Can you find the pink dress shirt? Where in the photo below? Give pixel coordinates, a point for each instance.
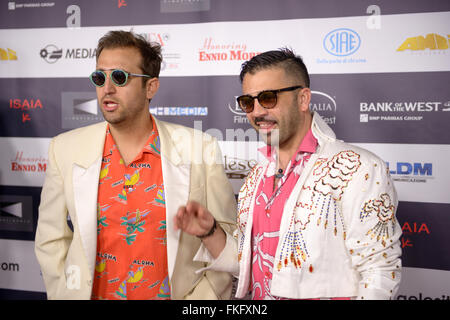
(268, 211)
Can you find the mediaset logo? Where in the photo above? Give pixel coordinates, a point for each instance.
(7, 54)
(431, 41)
(179, 111)
(52, 53)
(216, 51)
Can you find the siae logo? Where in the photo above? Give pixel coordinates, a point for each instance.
(432, 41)
(342, 42)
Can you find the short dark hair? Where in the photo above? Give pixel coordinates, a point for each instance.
(150, 51)
(283, 58)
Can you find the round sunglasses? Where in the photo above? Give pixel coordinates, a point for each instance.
(119, 77)
(267, 99)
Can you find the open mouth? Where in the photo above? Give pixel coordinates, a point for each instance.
(265, 125)
(109, 105)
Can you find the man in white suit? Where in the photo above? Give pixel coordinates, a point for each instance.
(316, 218)
(108, 254)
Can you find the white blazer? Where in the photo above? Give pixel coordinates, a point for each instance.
(192, 170)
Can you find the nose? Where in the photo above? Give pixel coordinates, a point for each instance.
(109, 86)
(258, 110)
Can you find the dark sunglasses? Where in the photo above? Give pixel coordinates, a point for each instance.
(266, 98)
(119, 77)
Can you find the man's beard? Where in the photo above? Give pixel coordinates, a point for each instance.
(272, 138)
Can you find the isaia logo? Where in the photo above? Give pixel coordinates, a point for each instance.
(25, 105)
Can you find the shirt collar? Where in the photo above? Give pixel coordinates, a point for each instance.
(308, 144)
(153, 144)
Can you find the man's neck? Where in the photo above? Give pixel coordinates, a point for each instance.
(131, 139)
(287, 150)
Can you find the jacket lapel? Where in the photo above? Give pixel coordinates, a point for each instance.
(176, 177)
(85, 177)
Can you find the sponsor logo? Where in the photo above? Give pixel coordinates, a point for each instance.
(16, 213)
(25, 163)
(13, 5)
(325, 105)
(171, 59)
(214, 51)
(421, 296)
(25, 105)
(236, 168)
(171, 6)
(52, 53)
(179, 111)
(412, 110)
(413, 228)
(239, 115)
(79, 109)
(410, 172)
(342, 42)
(10, 266)
(431, 41)
(7, 54)
(321, 102)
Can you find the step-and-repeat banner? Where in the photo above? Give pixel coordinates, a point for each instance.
(380, 76)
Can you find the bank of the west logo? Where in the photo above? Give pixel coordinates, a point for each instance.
(342, 42)
(432, 41)
(51, 53)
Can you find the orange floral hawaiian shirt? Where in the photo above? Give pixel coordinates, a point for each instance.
(131, 260)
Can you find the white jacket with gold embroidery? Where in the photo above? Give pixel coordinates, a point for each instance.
(339, 236)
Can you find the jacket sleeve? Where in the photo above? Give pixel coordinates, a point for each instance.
(373, 235)
(221, 202)
(53, 235)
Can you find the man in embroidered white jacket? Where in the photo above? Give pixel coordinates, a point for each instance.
(316, 219)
